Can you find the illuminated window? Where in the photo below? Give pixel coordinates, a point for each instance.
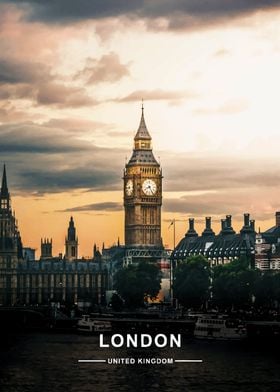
(4, 203)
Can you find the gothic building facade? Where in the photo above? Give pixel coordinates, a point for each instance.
(10, 247)
(50, 279)
(142, 195)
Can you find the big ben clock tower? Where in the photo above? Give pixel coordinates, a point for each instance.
(143, 194)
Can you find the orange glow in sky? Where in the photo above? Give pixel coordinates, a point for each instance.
(71, 85)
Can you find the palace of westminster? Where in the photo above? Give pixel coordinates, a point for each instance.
(24, 280)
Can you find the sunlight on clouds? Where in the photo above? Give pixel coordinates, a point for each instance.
(211, 91)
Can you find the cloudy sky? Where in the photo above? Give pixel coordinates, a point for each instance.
(72, 76)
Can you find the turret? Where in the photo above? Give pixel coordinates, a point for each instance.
(71, 242)
(46, 248)
(4, 193)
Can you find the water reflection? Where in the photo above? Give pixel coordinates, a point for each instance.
(49, 363)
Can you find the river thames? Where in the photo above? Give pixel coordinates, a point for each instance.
(44, 362)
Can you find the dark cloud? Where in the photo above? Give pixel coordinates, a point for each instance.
(20, 79)
(45, 160)
(105, 206)
(106, 69)
(33, 138)
(34, 81)
(14, 72)
(42, 159)
(58, 180)
(178, 14)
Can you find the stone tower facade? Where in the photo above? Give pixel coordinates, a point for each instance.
(71, 242)
(142, 193)
(46, 248)
(10, 247)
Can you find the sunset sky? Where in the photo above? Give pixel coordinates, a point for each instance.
(72, 76)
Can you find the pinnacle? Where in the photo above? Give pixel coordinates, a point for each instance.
(142, 132)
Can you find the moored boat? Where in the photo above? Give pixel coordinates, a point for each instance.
(90, 325)
(220, 328)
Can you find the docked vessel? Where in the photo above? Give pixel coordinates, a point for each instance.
(90, 325)
(220, 328)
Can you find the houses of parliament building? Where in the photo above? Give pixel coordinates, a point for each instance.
(51, 279)
(66, 278)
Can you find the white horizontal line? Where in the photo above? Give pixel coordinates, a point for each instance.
(188, 360)
(92, 360)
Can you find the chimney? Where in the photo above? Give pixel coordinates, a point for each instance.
(246, 219)
(208, 230)
(208, 222)
(228, 221)
(277, 215)
(191, 232)
(252, 224)
(223, 224)
(191, 224)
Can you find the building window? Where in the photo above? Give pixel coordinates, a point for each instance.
(4, 203)
(9, 262)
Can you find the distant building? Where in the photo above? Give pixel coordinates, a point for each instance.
(268, 247)
(28, 254)
(218, 249)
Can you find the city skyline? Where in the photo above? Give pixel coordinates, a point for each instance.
(71, 90)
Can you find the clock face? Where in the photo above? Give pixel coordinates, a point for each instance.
(149, 187)
(129, 188)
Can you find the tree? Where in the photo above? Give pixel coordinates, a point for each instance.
(233, 284)
(267, 289)
(192, 281)
(116, 302)
(138, 282)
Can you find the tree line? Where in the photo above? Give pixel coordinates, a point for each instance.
(232, 286)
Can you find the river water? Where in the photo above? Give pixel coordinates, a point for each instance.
(42, 362)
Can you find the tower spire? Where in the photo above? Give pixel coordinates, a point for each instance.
(142, 133)
(4, 187)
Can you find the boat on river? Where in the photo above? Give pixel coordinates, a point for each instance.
(90, 325)
(219, 327)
